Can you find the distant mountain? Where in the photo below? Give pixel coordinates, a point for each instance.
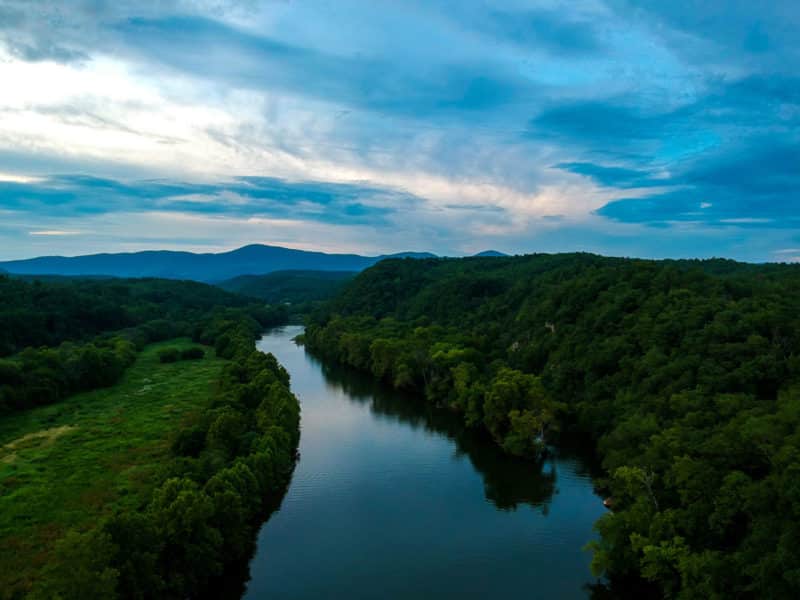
(490, 253)
(255, 259)
(289, 286)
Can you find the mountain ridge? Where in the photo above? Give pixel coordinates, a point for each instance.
(253, 259)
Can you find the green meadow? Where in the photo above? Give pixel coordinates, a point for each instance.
(65, 465)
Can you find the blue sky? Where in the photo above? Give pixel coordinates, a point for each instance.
(638, 128)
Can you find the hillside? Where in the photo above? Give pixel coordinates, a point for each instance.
(46, 313)
(249, 260)
(289, 286)
(686, 374)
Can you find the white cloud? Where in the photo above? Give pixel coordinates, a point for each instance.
(113, 104)
(16, 178)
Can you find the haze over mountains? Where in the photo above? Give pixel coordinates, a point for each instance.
(255, 259)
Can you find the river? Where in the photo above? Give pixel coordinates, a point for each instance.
(394, 499)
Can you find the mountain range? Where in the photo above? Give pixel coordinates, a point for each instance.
(256, 259)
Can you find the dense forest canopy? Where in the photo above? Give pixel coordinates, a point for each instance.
(684, 372)
(62, 337)
(47, 312)
(293, 287)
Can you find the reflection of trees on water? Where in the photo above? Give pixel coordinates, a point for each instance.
(508, 481)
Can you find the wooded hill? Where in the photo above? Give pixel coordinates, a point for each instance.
(684, 372)
(48, 312)
(293, 287)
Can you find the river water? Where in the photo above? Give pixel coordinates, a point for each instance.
(394, 499)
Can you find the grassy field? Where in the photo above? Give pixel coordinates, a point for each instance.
(66, 464)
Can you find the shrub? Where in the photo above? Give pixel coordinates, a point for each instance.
(168, 355)
(193, 353)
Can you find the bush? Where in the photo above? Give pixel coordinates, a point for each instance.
(193, 353)
(168, 355)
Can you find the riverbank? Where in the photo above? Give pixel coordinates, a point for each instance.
(394, 498)
(219, 467)
(70, 464)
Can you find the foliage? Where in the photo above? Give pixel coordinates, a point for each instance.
(193, 353)
(50, 311)
(80, 568)
(198, 511)
(66, 465)
(684, 372)
(293, 287)
(154, 485)
(169, 355)
(123, 315)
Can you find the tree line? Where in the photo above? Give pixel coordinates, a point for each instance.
(295, 287)
(46, 312)
(683, 372)
(67, 336)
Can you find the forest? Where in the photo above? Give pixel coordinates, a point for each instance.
(70, 335)
(47, 311)
(301, 289)
(189, 508)
(683, 373)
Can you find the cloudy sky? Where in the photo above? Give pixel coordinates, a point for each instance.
(623, 127)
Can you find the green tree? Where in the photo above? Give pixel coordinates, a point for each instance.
(80, 568)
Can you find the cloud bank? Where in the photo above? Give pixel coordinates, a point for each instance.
(614, 126)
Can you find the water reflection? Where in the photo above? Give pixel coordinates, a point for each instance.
(508, 482)
(393, 498)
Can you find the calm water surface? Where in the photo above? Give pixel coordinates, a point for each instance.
(392, 499)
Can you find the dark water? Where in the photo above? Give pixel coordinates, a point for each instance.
(392, 499)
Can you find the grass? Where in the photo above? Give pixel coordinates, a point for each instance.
(66, 465)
